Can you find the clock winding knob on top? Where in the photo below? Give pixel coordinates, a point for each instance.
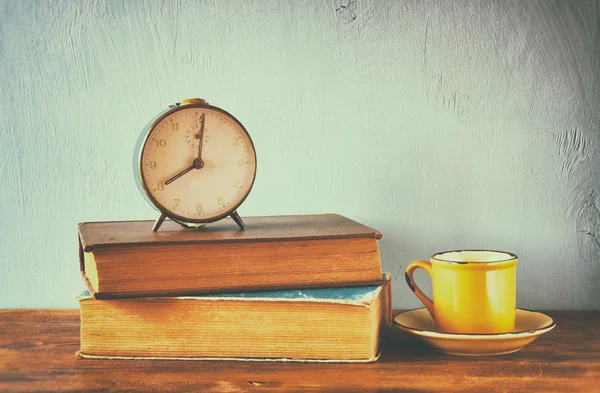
(189, 101)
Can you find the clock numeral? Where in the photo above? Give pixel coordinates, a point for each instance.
(177, 202)
(243, 162)
(199, 208)
(237, 140)
(152, 164)
(220, 201)
(175, 126)
(160, 143)
(160, 186)
(237, 185)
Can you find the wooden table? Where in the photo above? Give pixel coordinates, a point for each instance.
(37, 353)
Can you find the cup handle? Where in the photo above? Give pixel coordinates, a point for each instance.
(408, 274)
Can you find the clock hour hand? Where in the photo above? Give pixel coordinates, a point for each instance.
(183, 172)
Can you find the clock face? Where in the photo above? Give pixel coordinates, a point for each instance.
(198, 163)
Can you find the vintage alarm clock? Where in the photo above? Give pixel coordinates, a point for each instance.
(195, 163)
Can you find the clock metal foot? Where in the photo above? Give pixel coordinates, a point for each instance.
(159, 222)
(238, 220)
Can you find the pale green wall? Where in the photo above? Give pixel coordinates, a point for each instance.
(445, 125)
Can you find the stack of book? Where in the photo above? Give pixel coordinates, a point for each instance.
(305, 288)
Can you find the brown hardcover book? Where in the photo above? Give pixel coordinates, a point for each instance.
(333, 324)
(126, 259)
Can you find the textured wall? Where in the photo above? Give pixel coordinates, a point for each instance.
(443, 124)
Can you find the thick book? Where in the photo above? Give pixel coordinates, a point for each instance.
(327, 325)
(127, 259)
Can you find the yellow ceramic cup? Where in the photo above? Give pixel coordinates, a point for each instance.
(474, 291)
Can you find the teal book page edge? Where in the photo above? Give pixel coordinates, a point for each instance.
(349, 294)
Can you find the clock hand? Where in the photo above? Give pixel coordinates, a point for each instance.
(201, 138)
(183, 172)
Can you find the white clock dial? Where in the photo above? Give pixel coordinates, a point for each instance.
(192, 188)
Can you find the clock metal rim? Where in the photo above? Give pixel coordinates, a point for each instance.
(142, 182)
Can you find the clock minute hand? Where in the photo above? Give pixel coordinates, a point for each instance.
(201, 137)
(183, 172)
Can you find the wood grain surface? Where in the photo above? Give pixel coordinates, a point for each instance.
(37, 353)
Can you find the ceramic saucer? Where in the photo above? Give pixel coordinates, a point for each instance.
(529, 325)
